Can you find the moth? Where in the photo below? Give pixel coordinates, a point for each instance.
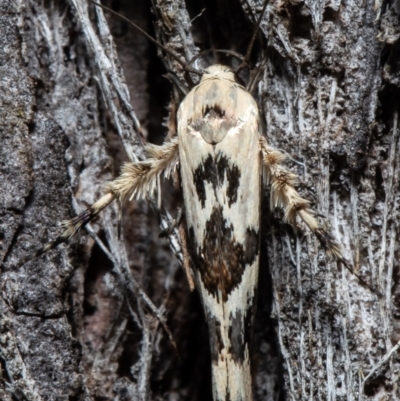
(221, 154)
(223, 161)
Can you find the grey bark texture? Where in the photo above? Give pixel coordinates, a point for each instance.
(109, 319)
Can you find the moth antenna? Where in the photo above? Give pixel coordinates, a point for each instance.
(284, 195)
(150, 38)
(229, 52)
(253, 39)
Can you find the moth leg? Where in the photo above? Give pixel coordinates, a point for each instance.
(175, 222)
(186, 257)
(137, 181)
(284, 195)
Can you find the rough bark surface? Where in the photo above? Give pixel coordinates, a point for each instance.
(88, 320)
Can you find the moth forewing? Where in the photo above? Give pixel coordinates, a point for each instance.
(218, 129)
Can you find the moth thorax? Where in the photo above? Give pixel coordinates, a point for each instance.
(218, 71)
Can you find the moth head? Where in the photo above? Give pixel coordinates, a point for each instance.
(218, 71)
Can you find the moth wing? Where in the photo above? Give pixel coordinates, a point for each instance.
(220, 170)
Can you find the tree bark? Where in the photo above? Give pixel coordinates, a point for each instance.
(105, 318)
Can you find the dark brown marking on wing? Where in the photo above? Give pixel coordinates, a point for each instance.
(220, 259)
(240, 331)
(232, 176)
(216, 341)
(236, 336)
(215, 171)
(228, 394)
(251, 244)
(204, 172)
